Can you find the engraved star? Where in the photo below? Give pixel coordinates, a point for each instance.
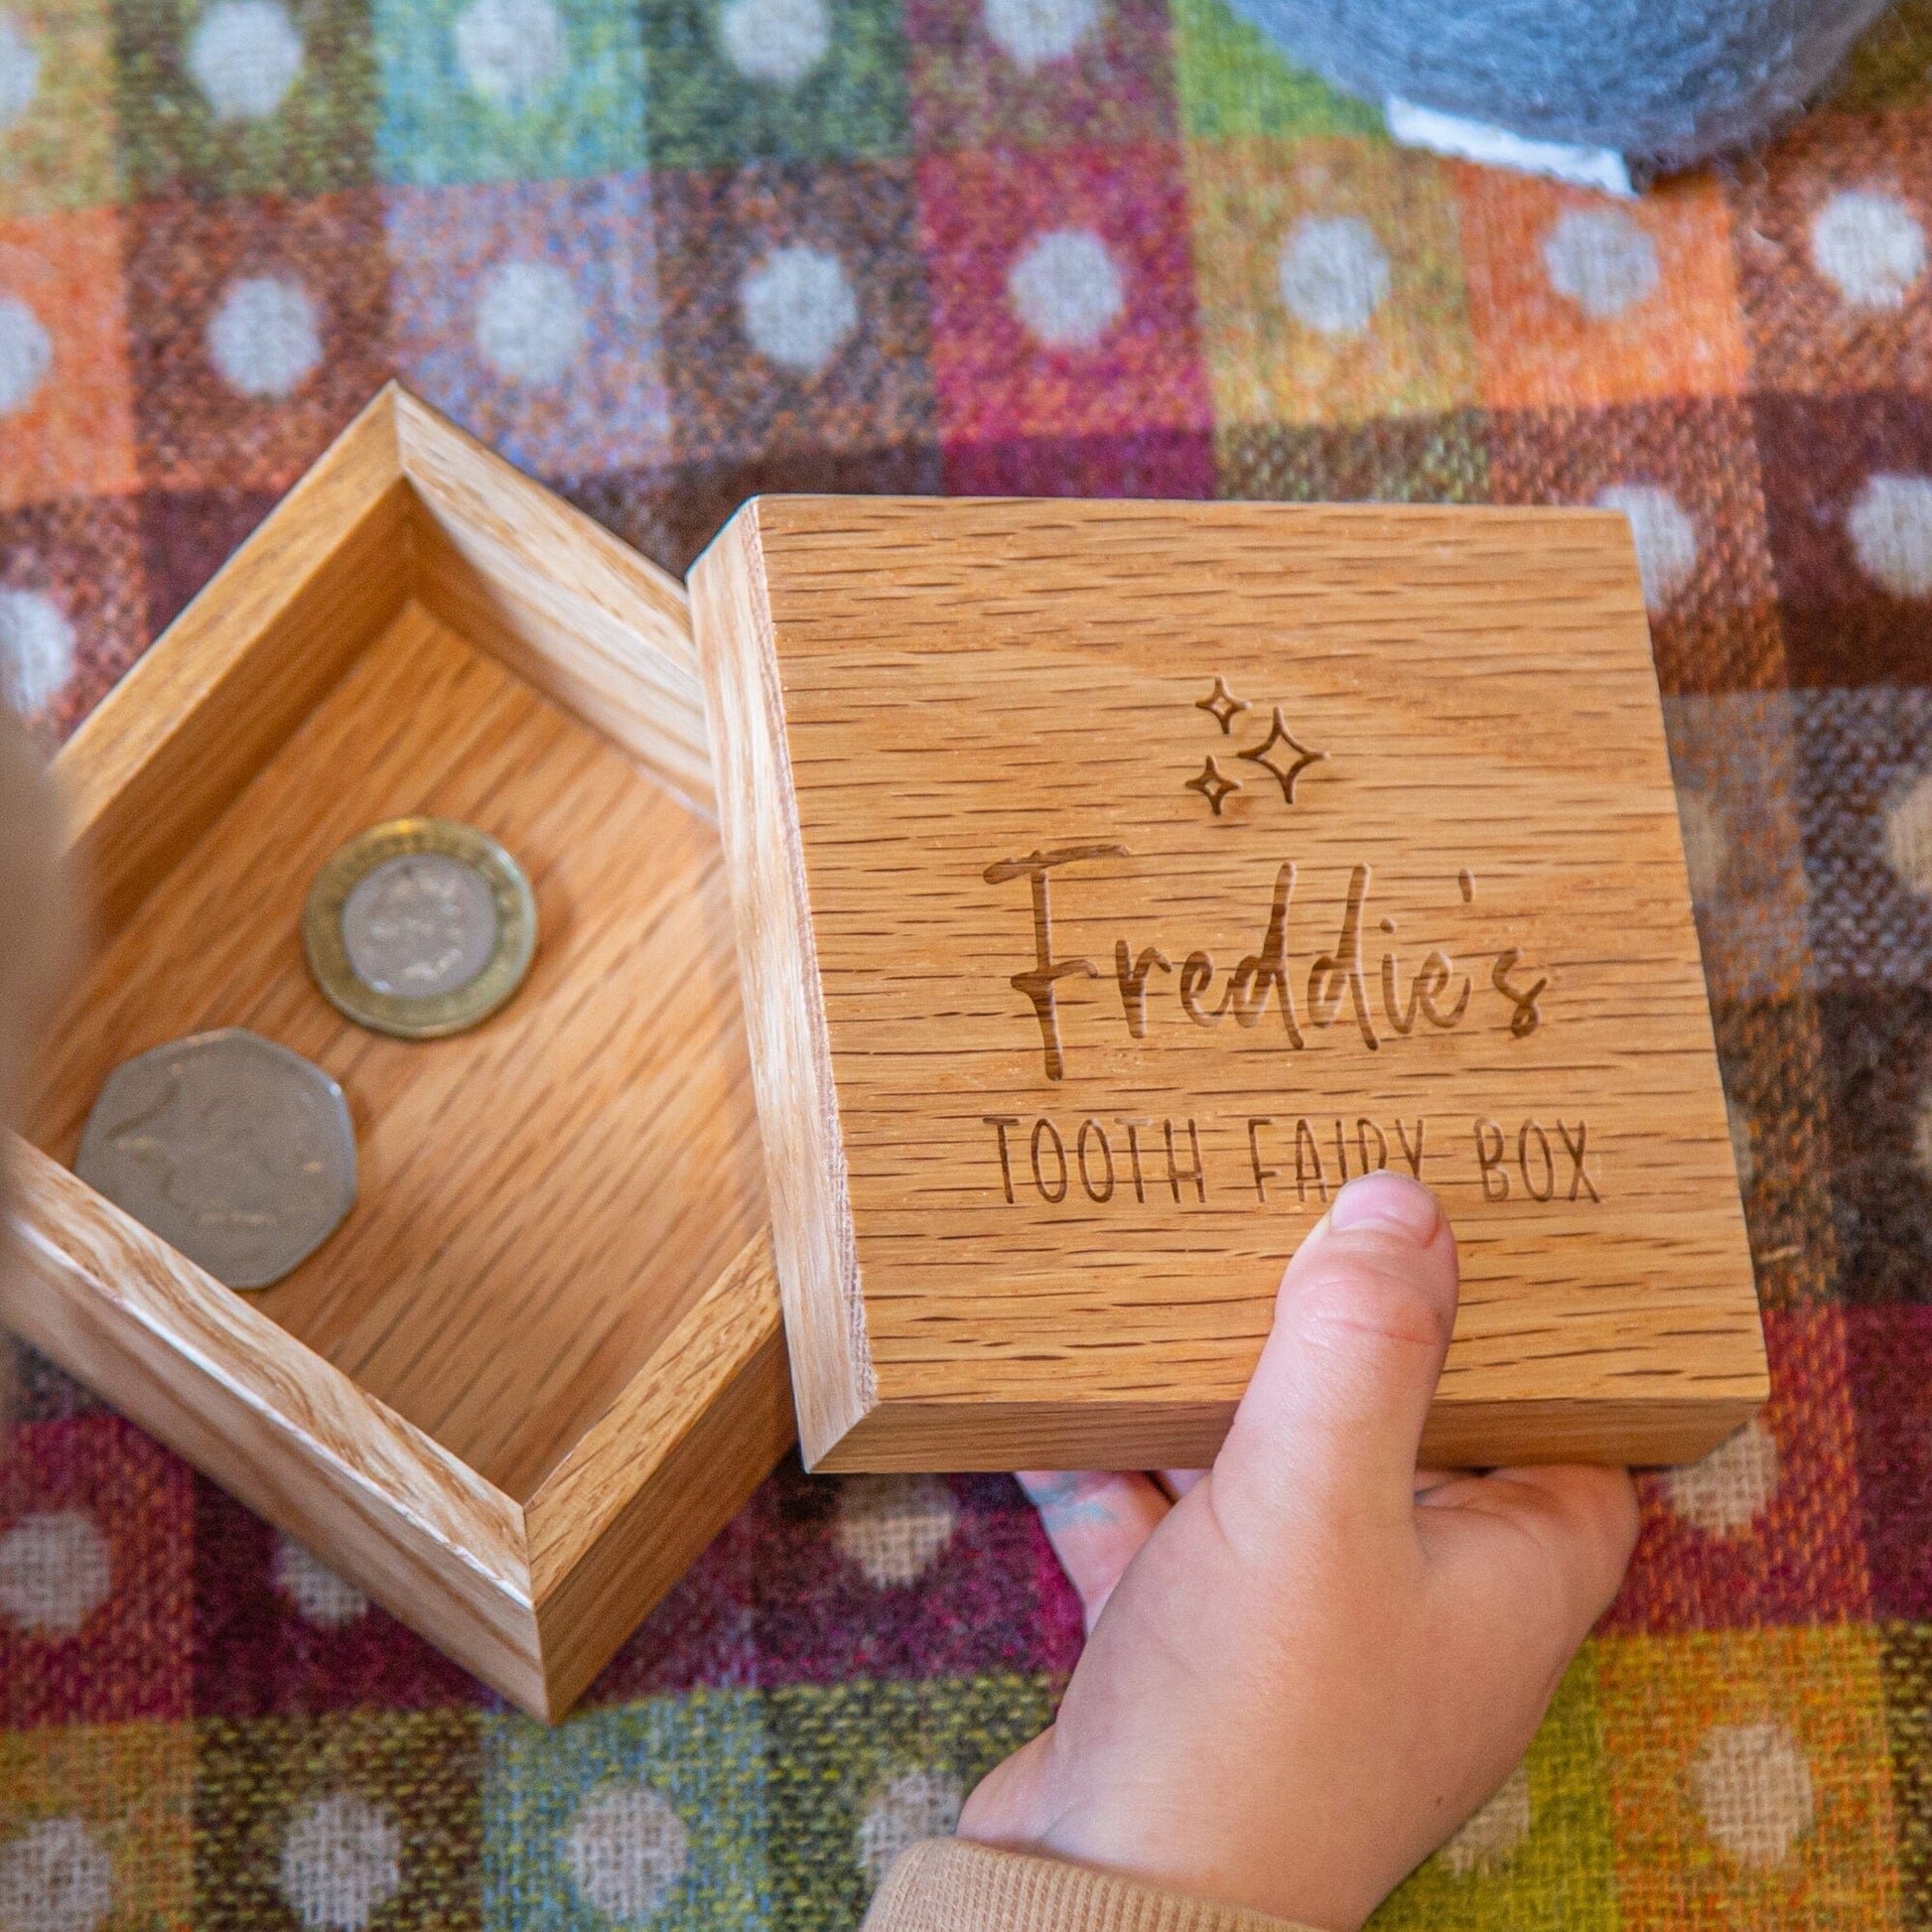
(1221, 703)
(1303, 757)
(1213, 786)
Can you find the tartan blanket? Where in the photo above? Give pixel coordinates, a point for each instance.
(667, 252)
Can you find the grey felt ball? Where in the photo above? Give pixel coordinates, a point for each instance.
(1665, 84)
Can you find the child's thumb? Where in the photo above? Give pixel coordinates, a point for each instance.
(1333, 1420)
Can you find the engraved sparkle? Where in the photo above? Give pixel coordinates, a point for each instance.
(1221, 705)
(1279, 734)
(1213, 785)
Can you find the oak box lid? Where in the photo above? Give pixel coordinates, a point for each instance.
(1113, 879)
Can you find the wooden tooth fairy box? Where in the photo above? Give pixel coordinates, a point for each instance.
(1114, 881)
(541, 1362)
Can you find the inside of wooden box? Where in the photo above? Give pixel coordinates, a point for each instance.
(541, 1198)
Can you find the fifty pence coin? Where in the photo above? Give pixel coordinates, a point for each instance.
(420, 927)
(233, 1149)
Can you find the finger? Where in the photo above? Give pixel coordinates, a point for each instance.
(1588, 1518)
(1014, 1802)
(1333, 1420)
(1561, 1536)
(1096, 1523)
(1177, 1482)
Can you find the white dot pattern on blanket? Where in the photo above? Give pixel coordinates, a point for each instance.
(1869, 247)
(1726, 1492)
(55, 1877)
(530, 324)
(906, 1808)
(1665, 537)
(1601, 260)
(1754, 1789)
(1908, 837)
(265, 337)
(37, 647)
(1493, 1832)
(798, 308)
(894, 1526)
(1333, 273)
(20, 71)
(245, 55)
(626, 1849)
(342, 1862)
(1890, 527)
(56, 1572)
(322, 1597)
(1067, 289)
(1743, 1145)
(1032, 33)
(511, 53)
(26, 354)
(1707, 844)
(778, 43)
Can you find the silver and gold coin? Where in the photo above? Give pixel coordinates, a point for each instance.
(235, 1150)
(420, 927)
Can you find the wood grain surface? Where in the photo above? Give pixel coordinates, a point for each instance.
(556, 597)
(1115, 880)
(173, 743)
(552, 1315)
(495, 1284)
(662, 1470)
(296, 1439)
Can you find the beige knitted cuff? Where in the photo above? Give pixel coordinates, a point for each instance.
(945, 1884)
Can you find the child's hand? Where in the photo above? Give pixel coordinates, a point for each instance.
(1318, 1662)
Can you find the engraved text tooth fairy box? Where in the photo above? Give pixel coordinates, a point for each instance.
(541, 1363)
(1113, 881)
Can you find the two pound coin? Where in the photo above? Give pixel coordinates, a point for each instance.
(420, 927)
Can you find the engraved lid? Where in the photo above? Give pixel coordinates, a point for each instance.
(1114, 881)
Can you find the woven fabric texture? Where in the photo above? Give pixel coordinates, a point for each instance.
(664, 252)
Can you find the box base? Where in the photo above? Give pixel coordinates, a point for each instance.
(542, 1363)
(490, 1285)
